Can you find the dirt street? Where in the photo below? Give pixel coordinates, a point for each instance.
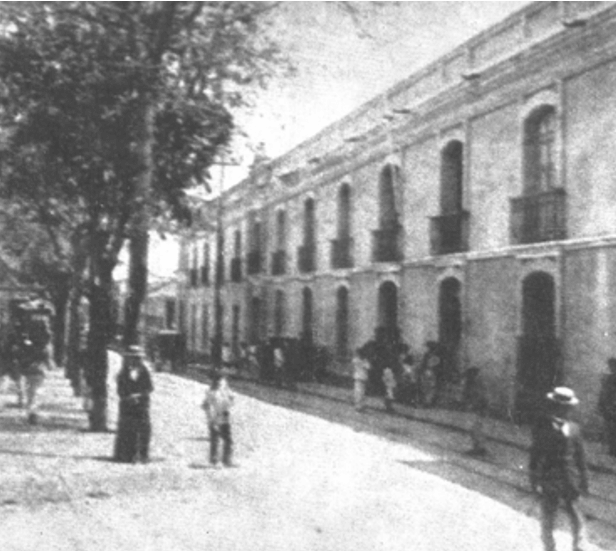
(301, 483)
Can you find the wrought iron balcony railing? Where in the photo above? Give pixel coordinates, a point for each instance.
(539, 217)
(306, 258)
(279, 262)
(386, 244)
(253, 263)
(449, 233)
(342, 253)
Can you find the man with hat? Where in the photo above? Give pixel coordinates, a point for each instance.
(558, 471)
(134, 427)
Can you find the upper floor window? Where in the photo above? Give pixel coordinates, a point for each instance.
(539, 150)
(449, 230)
(540, 213)
(341, 253)
(306, 252)
(386, 246)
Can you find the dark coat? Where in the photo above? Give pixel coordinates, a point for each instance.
(133, 434)
(607, 397)
(557, 459)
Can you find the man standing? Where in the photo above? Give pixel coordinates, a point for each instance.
(134, 382)
(217, 405)
(558, 471)
(607, 406)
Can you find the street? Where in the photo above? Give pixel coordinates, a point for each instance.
(301, 482)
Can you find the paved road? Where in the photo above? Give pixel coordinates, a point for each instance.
(302, 483)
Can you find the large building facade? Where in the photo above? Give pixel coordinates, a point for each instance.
(473, 203)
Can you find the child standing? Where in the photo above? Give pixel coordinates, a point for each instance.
(361, 366)
(217, 405)
(389, 380)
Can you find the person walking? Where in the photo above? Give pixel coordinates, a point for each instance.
(134, 386)
(361, 368)
(475, 400)
(607, 406)
(557, 467)
(217, 405)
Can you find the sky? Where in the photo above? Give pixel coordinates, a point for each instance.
(342, 62)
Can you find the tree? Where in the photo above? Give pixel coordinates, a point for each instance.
(123, 106)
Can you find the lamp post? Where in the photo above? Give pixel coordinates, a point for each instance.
(220, 259)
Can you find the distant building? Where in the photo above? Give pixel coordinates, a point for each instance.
(473, 203)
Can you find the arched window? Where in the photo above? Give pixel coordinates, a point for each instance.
(539, 150)
(388, 306)
(540, 213)
(344, 212)
(386, 245)
(341, 256)
(279, 255)
(452, 172)
(388, 215)
(309, 219)
(307, 252)
(449, 231)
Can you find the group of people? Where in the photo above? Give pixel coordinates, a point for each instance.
(134, 430)
(27, 352)
(283, 361)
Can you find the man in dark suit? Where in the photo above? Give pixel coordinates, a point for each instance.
(558, 471)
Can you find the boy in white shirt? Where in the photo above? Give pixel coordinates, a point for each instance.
(217, 405)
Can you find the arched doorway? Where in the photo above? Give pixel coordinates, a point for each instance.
(450, 323)
(538, 366)
(388, 307)
(307, 313)
(342, 323)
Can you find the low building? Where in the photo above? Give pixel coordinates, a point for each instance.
(473, 203)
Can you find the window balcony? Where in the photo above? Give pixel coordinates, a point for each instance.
(279, 262)
(386, 244)
(341, 253)
(449, 233)
(306, 258)
(236, 269)
(253, 262)
(539, 217)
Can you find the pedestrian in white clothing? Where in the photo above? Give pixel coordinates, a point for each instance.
(389, 380)
(361, 366)
(217, 405)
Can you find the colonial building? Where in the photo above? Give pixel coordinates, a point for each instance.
(473, 203)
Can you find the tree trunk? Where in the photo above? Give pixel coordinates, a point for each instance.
(139, 239)
(75, 350)
(99, 337)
